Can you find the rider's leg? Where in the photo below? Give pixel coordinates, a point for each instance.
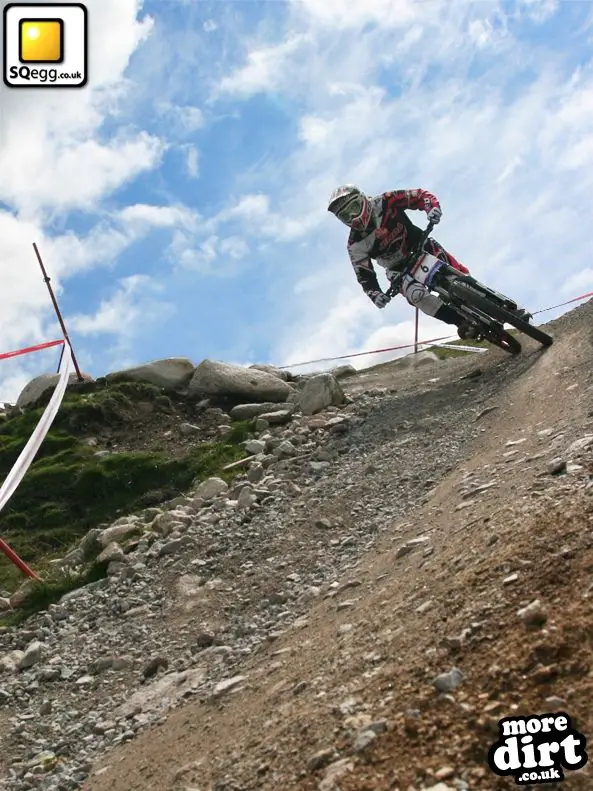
(420, 297)
(434, 248)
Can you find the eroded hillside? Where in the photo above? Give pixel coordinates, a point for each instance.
(300, 629)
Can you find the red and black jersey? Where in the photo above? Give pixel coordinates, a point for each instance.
(391, 236)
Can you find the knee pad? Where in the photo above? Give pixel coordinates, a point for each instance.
(413, 291)
(419, 296)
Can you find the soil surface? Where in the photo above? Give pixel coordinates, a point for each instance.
(497, 531)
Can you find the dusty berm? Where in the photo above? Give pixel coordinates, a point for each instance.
(357, 611)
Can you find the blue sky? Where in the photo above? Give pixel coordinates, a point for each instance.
(179, 200)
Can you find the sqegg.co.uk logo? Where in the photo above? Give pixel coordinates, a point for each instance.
(45, 45)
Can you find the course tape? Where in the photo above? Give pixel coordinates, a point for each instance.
(28, 453)
(420, 343)
(38, 347)
(562, 304)
(458, 348)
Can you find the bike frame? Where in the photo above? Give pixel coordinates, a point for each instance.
(441, 281)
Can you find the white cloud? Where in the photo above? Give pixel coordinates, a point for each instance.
(62, 151)
(143, 216)
(264, 70)
(186, 118)
(578, 283)
(500, 153)
(192, 161)
(210, 26)
(48, 175)
(123, 313)
(334, 14)
(50, 137)
(235, 247)
(539, 10)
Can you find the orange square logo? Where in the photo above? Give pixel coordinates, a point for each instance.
(41, 40)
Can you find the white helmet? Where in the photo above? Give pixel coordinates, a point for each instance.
(351, 206)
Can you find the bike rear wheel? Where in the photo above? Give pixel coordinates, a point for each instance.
(468, 295)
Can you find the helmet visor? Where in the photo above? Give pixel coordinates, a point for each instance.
(351, 209)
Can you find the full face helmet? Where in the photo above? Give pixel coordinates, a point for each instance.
(351, 206)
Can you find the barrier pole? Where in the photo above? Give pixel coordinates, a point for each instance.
(58, 314)
(416, 334)
(11, 555)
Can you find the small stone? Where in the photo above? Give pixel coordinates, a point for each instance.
(534, 615)
(32, 655)
(363, 739)
(205, 640)
(152, 668)
(211, 487)
(187, 429)
(227, 685)
(255, 446)
(444, 773)
(485, 412)
(321, 759)
(555, 703)
(580, 444)
(556, 466)
(510, 579)
(447, 682)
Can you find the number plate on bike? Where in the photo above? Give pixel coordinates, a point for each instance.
(424, 269)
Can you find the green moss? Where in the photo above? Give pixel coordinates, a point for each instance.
(55, 584)
(69, 490)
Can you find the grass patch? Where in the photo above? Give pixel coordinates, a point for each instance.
(68, 489)
(55, 584)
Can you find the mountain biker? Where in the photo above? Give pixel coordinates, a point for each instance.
(380, 229)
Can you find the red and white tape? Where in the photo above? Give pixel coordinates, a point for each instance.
(28, 453)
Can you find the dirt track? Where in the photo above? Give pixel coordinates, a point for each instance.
(373, 661)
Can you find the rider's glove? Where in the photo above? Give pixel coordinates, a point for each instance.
(434, 215)
(379, 298)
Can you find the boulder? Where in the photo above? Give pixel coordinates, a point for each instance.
(39, 386)
(270, 369)
(340, 371)
(319, 392)
(214, 378)
(249, 411)
(170, 373)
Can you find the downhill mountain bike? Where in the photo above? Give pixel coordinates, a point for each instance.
(483, 307)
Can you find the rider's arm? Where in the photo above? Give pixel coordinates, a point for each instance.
(411, 199)
(363, 267)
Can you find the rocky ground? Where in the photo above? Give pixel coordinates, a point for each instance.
(386, 581)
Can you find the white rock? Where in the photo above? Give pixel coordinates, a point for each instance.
(211, 487)
(320, 392)
(171, 373)
(216, 378)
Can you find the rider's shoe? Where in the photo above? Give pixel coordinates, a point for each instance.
(466, 330)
